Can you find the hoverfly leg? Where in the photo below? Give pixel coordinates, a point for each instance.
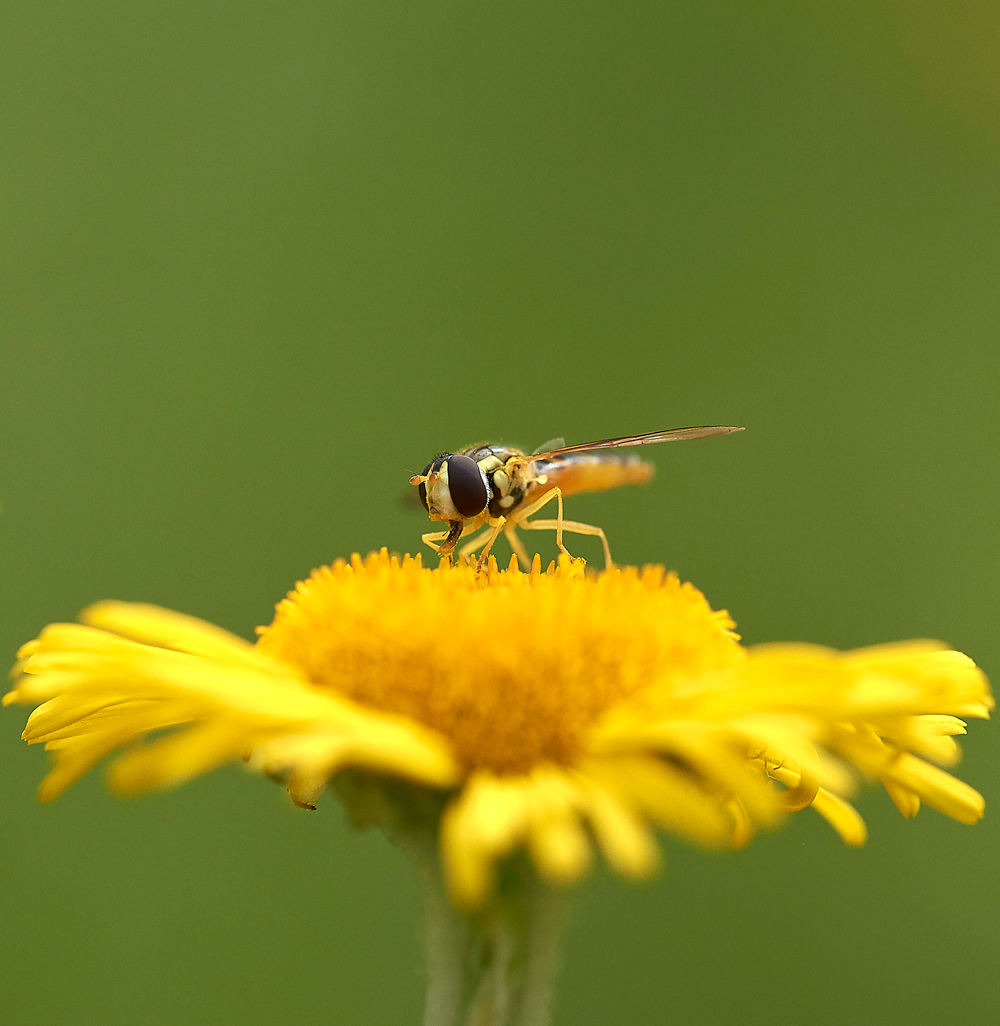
(432, 537)
(447, 539)
(456, 529)
(509, 533)
(474, 546)
(534, 507)
(491, 538)
(516, 545)
(574, 528)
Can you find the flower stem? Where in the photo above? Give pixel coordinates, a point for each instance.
(496, 968)
(455, 959)
(548, 909)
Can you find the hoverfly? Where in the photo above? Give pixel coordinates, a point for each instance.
(497, 487)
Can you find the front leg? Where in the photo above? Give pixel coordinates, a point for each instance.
(491, 537)
(449, 539)
(434, 536)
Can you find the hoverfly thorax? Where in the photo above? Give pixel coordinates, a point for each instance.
(453, 488)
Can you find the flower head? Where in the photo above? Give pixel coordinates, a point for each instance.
(548, 709)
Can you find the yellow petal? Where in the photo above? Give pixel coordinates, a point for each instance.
(486, 820)
(153, 625)
(711, 750)
(177, 758)
(556, 839)
(801, 791)
(940, 790)
(73, 757)
(842, 816)
(664, 795)
(907, 801)
(624, 839)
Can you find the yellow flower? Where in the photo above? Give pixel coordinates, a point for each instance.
(547, 709)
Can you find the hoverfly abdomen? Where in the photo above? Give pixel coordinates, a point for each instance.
(596, 471)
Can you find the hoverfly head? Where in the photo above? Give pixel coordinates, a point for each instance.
(453, 487)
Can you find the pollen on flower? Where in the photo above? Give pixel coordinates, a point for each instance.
(513, 668)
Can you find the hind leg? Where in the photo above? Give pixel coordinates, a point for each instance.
(574, 528)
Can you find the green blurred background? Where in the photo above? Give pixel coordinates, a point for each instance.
(262, 260)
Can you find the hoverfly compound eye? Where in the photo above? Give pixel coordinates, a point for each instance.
(467, 486)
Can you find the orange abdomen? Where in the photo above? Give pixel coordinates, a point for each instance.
(595, 471)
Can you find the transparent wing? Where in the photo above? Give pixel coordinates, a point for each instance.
(550, 446)
(410, 500)
(651, 438)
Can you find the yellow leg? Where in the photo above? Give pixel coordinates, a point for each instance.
(490, 539)
(534, 507)
(434, 536)
(574, 528)
(510, 533)
(473, 546)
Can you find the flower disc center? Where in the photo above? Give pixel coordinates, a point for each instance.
(512, 668)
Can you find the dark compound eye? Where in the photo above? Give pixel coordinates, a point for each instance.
(467, 487)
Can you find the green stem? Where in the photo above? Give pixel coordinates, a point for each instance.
(496, 968)
(455, 956)
(547, 915)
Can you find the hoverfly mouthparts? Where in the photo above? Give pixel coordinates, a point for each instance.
(456, 486)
